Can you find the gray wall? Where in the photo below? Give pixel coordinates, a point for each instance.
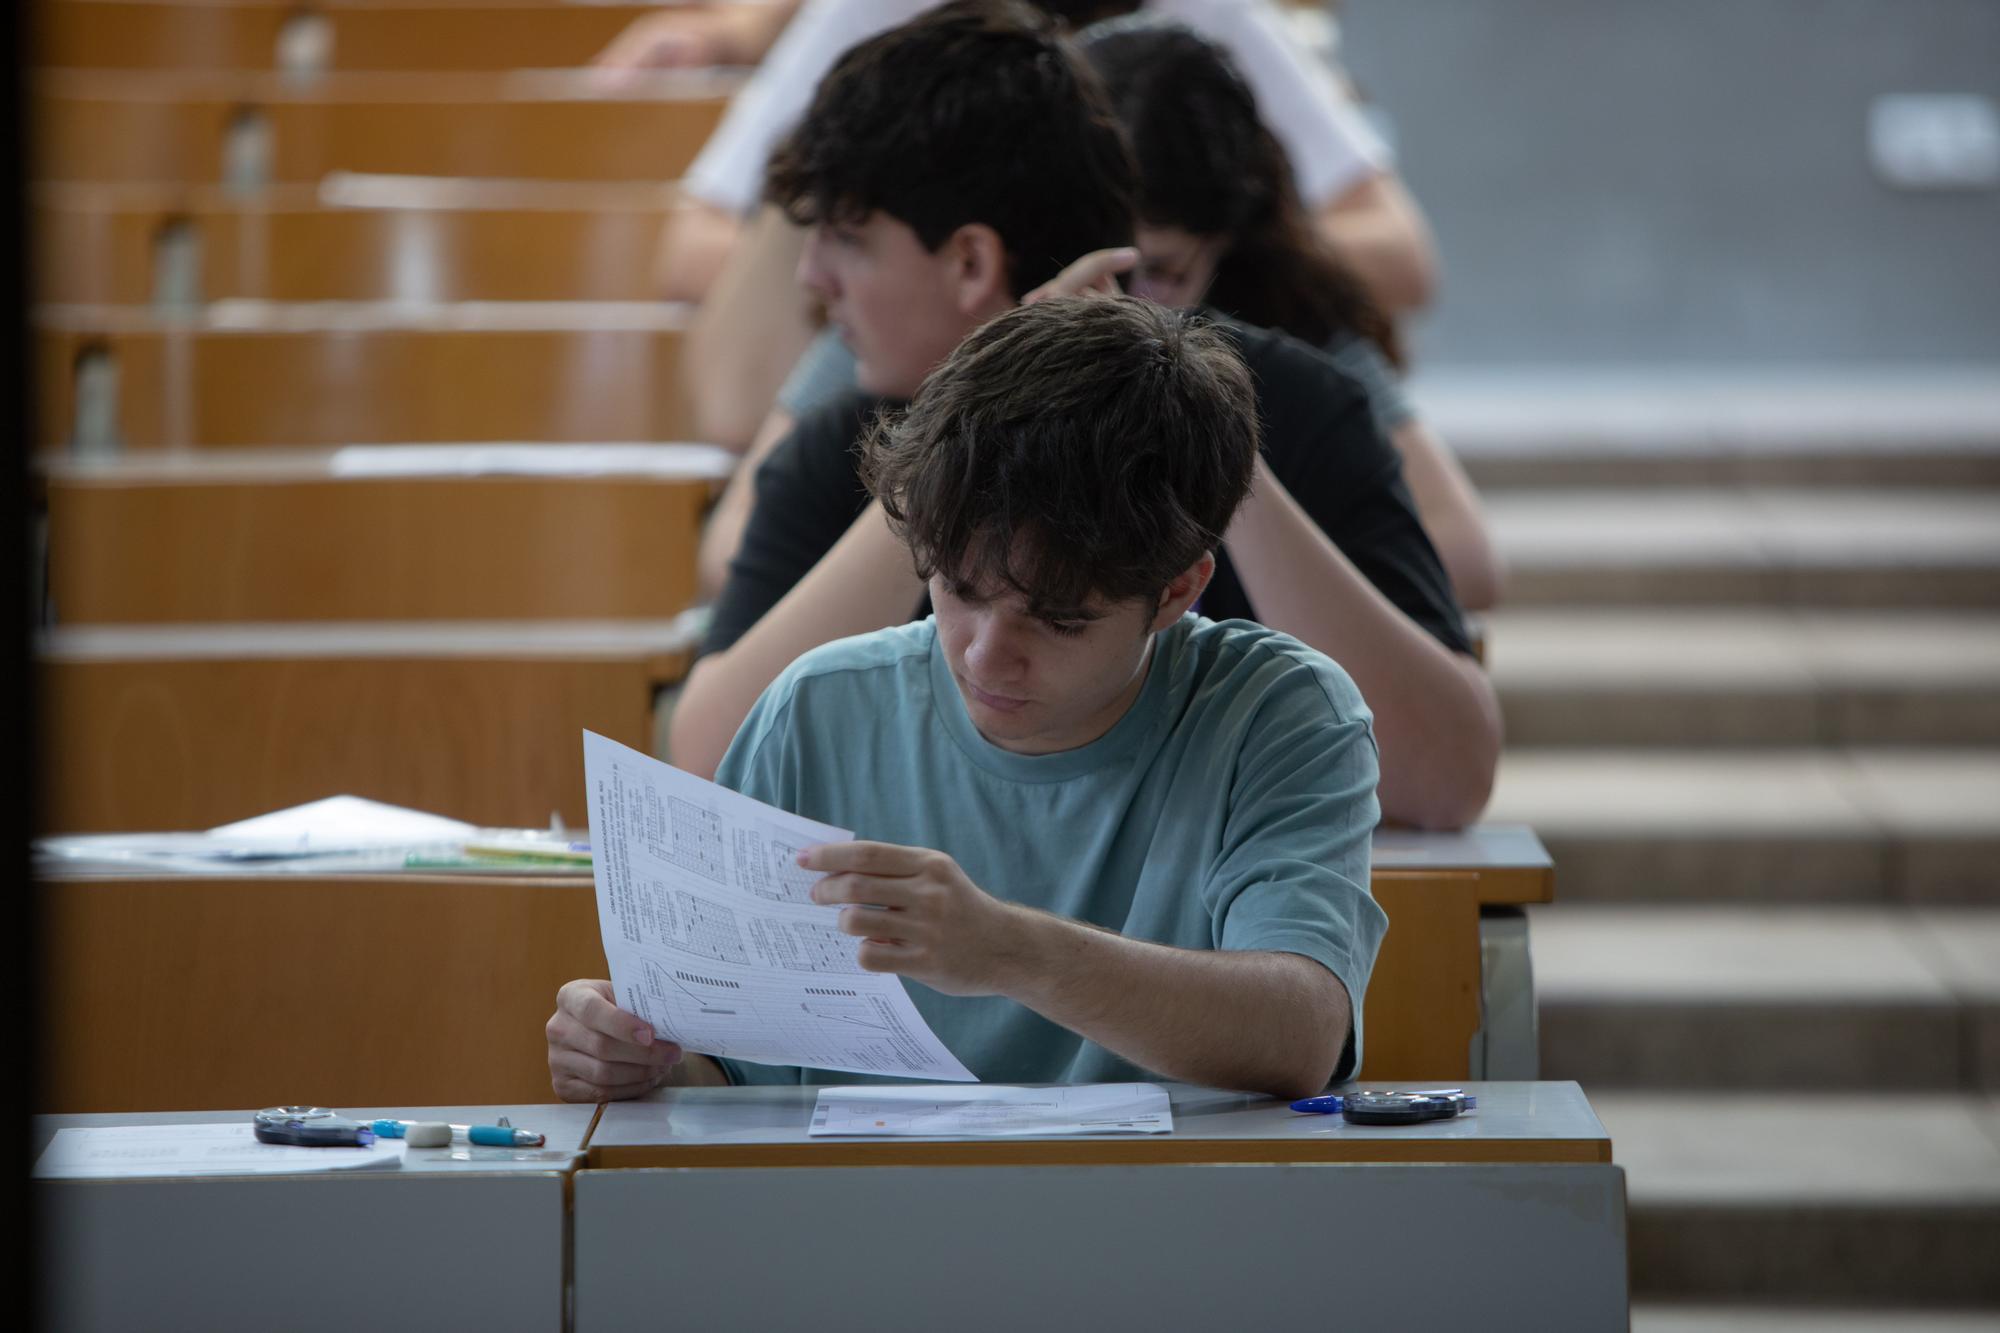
(1684, 181)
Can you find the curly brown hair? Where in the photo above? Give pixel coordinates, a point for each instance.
(1092, 445)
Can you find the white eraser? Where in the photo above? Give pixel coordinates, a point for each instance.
(428, 1134)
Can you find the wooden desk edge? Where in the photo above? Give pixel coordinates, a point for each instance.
(1094, 1152)
(1516, 885)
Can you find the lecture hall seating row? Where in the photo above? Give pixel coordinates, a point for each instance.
(250, 130)
(405, 239)
(435, 988)
(304, 38)
(247, 374)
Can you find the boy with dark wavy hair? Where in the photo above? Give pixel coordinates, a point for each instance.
(1109, 838)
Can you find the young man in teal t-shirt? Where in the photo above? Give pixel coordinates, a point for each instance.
(1102, 837)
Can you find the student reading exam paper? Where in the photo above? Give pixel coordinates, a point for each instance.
(1108, 839)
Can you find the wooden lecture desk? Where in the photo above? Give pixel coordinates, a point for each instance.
(445, 533)
(254, 129)
(1246, 1214)
(483, 956)
(329, 373)
(348, 238)
(462, 1237)
(168, 728)
(259, 34)
(1511, 869)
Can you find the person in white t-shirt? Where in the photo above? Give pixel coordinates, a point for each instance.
(719, 250)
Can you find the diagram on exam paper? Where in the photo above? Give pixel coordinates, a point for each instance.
(680, 833)
(768, 866)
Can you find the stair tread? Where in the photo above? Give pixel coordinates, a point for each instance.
(1745, 527)
(1721, 955)
(1727, 1149)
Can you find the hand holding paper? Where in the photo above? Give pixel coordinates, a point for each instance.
(918, 915)
(598, 1052)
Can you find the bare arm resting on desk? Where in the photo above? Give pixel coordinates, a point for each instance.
(1264, 1022)
(600, 1053)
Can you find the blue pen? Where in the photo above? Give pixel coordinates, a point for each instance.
(437, 1134)
(1327, 1105)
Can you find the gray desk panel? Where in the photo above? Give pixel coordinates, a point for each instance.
(458, 1238)
(340, 1252)
(1170, 1247)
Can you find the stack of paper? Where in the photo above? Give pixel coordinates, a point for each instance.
(341, 835)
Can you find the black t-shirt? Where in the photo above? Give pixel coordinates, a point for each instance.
(1320, 440)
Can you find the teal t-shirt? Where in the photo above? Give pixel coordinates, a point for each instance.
(1230, 808)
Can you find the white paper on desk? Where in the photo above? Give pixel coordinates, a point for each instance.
(713, 939)
(993, 1110)
(118, 1151)
(346, 823)
(669, 462)
(337, 835)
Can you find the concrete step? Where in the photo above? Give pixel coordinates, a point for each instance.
(1704, 1317)
(1853, 427)
(1784, 998)
(1874, 1198)
(1793, 825)
(1741, 676)
(1749, 546)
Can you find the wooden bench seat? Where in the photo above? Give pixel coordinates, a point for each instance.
(246, 34)
(174, 127)
(236, 374)
(310, 536)
(400, 239)
(189, 727)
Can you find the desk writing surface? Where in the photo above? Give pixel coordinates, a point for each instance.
(563, 1126)
(1511, 863)
(766, 1126)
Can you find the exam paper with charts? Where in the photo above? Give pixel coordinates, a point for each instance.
(714, 940)
(993, 1111)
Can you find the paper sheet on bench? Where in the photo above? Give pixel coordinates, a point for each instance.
(119, 1151)
(994, 1111)
(713, 939)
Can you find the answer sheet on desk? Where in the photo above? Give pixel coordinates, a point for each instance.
(994, 1111)
(714, 940)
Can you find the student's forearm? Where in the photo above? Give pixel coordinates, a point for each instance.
(1379, 232)
(1437, 722)
(1449, 508)
(724, 530)
(695, 242)
(695, 1071)
(865, 582)
(752, 326)
(752, 29)
(1273, 1023)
